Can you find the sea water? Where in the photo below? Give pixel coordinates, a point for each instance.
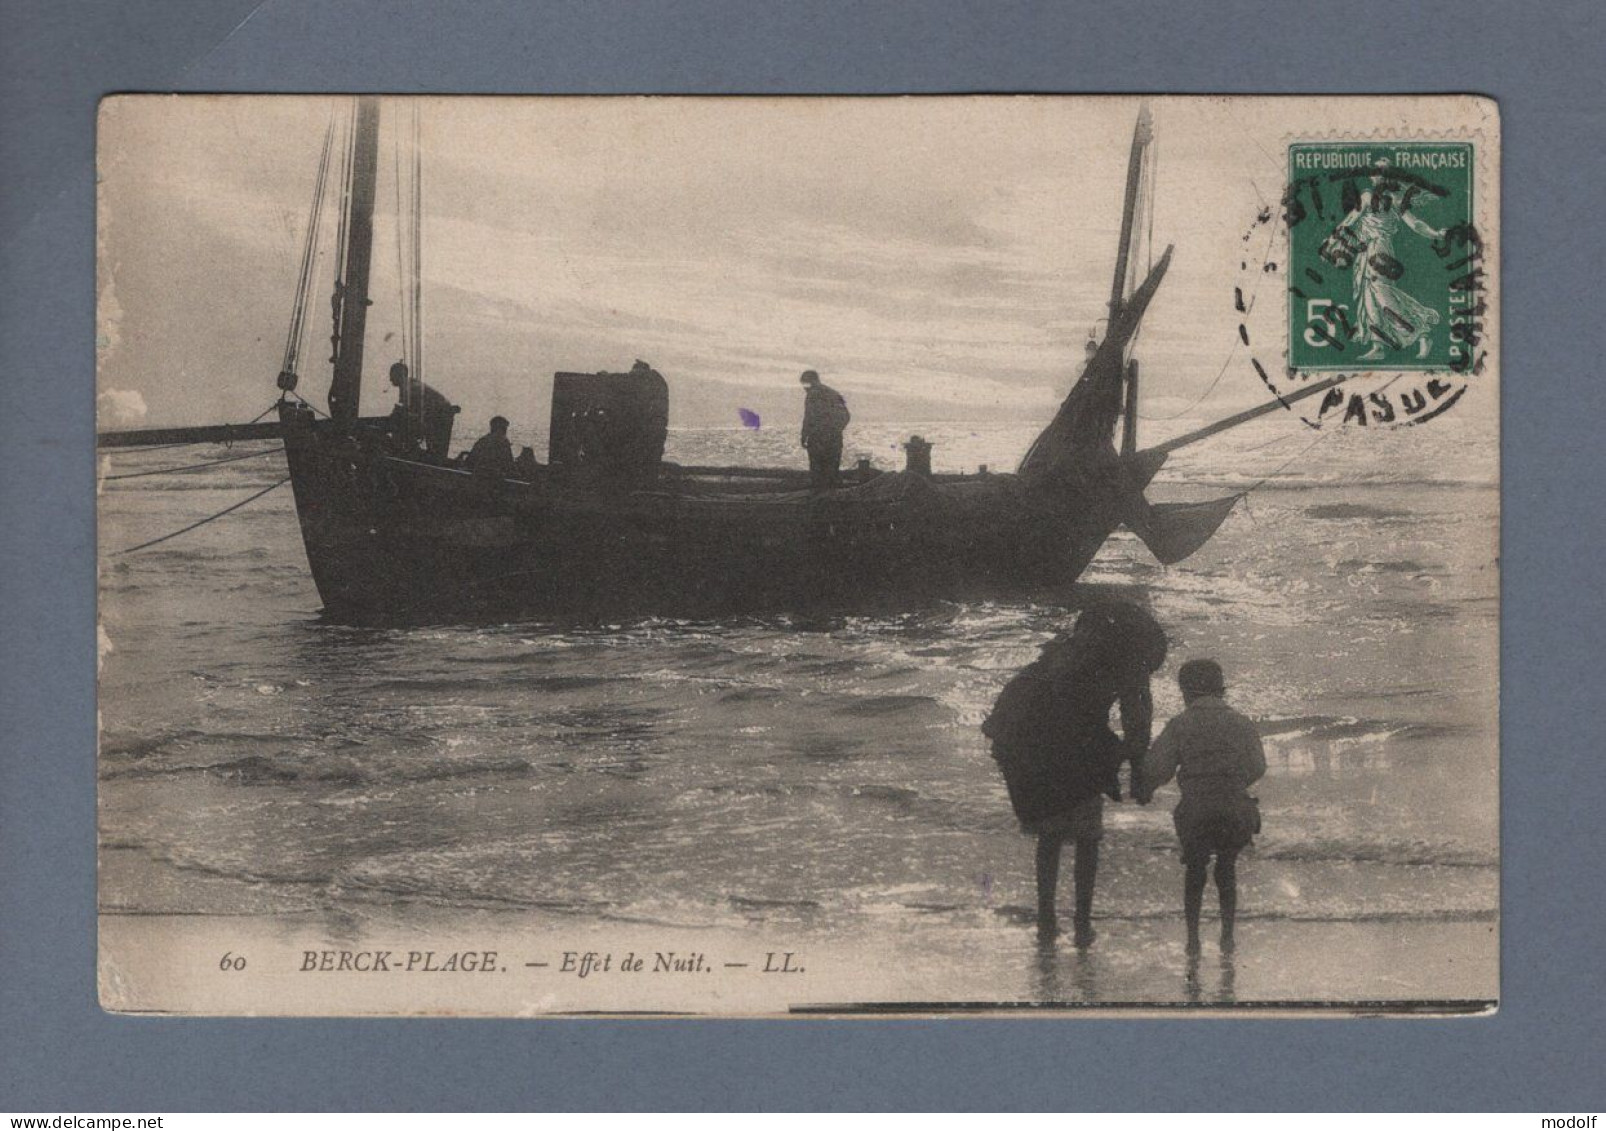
(775, 775)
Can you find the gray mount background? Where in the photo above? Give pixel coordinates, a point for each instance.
(59, 1053)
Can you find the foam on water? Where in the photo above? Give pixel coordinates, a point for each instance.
(765, 771)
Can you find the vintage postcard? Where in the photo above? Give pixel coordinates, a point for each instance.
(750, 556)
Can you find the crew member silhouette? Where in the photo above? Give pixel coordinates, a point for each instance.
(825, 418)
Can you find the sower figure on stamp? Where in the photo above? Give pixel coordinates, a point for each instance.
(1215, 754)
(825, 418)
(1051, 737)
(1385, 313)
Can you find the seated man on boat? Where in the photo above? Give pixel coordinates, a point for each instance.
(825, 418)
(422, 415)
(526, 467)
(492, 453)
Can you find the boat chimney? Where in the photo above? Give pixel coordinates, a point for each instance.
(919, 456)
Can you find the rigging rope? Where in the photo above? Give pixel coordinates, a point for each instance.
(1222, 372)
(1273, 442)
(190, 466)
(401, 266)
(348, 160)
(417, 308)
(418, 245)
(204, 521)
(298, 312)
(408, 184)
(1325, 434)
(1322, 434)
(305, 403)
(1154, 176)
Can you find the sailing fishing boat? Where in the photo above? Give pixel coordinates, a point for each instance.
(396, 530)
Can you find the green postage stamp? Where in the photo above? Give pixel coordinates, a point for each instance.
(1384, 268)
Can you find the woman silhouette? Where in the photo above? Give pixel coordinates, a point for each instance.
(1059, 758)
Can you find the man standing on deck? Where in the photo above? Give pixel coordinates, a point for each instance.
(825, 418)
(421, 414)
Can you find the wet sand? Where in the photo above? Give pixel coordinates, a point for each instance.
(982, 962)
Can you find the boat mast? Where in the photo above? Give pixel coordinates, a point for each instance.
(351, 293)
(1129, 410)
(1142, 133)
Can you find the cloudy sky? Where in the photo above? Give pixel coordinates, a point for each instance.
(934, 258)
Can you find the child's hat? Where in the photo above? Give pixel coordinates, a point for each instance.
(1201, 677)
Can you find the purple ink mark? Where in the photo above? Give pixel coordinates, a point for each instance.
(749, 418)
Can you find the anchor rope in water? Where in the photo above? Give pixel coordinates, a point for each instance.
(204, 521)
(190, 466)
(1324, 434)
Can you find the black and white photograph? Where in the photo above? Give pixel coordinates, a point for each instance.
(751, 556)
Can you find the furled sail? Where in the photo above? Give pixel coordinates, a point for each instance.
(1085, 423)
(1086, 419)
(1080, 440)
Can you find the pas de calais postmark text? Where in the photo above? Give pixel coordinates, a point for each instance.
(1385, 275)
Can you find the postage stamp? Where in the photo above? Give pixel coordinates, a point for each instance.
(1385, 273)
(1376, 280)
(1384, 249)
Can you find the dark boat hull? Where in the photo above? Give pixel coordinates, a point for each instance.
(399, 540)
